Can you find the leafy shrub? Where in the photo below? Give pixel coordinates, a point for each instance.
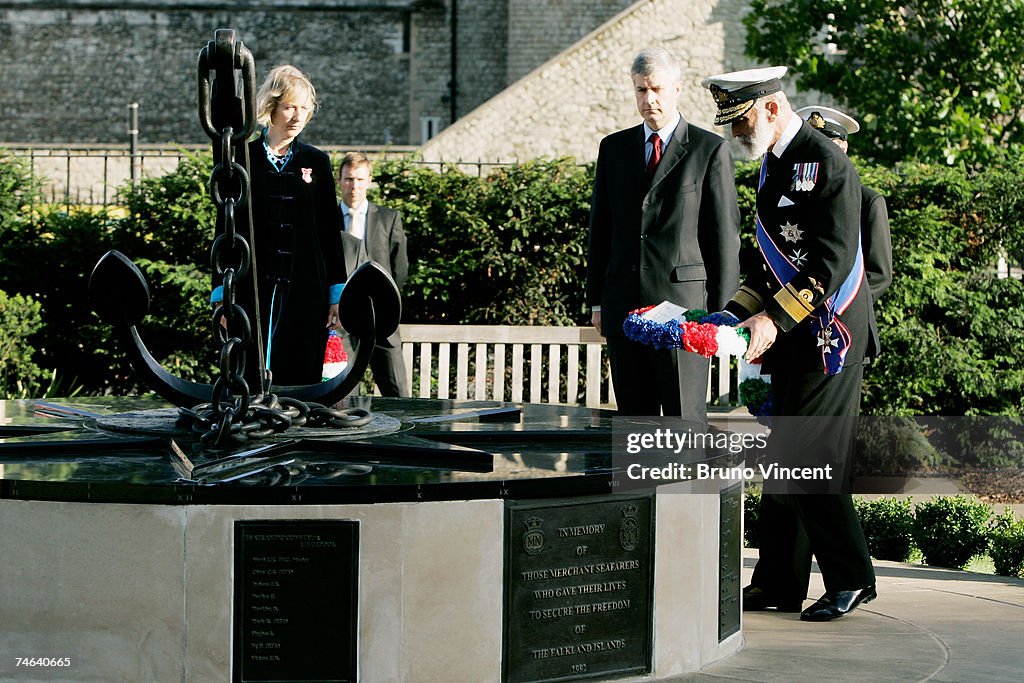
(20, 318)
(506, 249)
(888, 524)
(948, 324)
(950, 530)
(1006, 544)
(893, 445)
(171, 217)
(751, 515)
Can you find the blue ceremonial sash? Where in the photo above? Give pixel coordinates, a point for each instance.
(834, 337)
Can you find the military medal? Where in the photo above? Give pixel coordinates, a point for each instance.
(805, 176)
(825, 339)
(798, 257)
(792, 233)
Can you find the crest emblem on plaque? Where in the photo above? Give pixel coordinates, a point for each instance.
(533, 538)
(629, 528)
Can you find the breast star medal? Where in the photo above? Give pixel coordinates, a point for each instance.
(792, 233)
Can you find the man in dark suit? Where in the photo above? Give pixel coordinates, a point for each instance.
(374, 233)
(663, 227)
(810, 320)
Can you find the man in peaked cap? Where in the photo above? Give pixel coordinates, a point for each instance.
(663, 227)
(874, 218)
(809, 316)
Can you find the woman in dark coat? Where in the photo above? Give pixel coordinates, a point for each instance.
(298, 254)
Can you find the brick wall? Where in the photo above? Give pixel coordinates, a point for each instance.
(70, 67)
(540, 29)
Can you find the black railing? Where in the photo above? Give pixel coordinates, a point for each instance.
(84, 175)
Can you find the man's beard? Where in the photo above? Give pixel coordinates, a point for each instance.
(756, 144)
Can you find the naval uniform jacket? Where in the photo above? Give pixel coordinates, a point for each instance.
(813, 214)
(671, 238)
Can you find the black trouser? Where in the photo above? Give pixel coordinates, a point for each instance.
(793, 527)
(388, 367)
(651, 381)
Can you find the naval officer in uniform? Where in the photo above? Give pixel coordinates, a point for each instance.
(875, 239)
(809, 314)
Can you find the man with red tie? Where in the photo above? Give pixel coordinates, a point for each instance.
(663, 227)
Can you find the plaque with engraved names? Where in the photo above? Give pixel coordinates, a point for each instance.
(730, 556)
(295, 603)
(578, 588)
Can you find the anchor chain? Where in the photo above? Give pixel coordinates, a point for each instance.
(235, 415)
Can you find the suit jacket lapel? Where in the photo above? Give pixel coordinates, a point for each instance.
(673, 154)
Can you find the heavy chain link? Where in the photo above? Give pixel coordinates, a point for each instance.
(233, 415)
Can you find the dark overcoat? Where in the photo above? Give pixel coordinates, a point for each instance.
(298, 256)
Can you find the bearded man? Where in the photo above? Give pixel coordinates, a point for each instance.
(808, 310)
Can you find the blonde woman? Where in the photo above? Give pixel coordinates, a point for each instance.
(298, 255)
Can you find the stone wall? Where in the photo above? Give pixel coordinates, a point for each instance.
(383, 68)
(565, 106)
(540, 29)
(70, 67)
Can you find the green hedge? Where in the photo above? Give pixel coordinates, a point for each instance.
(948, 531)
(1006, 544)
(20, 318)
(888, 525)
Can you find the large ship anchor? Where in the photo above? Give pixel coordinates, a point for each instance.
(228, 411)
(369, 309)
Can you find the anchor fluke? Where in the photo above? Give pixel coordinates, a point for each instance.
(118, 290)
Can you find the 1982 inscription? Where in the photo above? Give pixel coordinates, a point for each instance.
(578, 589)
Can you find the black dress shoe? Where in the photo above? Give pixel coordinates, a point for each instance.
(757, 600)
(835, 604)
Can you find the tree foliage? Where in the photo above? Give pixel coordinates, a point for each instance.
(19, 319)
(939, 81)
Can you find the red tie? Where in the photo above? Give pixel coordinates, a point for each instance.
(652, 163)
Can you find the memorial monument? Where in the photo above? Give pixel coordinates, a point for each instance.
(302, 534)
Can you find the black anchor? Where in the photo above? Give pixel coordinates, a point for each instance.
(370, 305)
(370, 309)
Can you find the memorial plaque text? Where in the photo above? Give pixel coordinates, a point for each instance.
(295, 601)
(729, 557)
(578, 589)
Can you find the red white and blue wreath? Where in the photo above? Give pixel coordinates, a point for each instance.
(710, 334)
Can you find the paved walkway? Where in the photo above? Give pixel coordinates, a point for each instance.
(928, 624)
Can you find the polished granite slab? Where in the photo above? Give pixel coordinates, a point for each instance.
(76, 450)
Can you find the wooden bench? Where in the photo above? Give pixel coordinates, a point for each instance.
(567, 365)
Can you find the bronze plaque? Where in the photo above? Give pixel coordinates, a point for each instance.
(295, 601)
(578, 588)
(730, 555)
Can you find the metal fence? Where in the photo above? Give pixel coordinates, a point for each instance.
(80, 175)
(92, 176)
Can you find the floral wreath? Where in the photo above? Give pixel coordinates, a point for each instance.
(709, 334)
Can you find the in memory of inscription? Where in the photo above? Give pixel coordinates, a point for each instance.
(295, 601)
(578, 589)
